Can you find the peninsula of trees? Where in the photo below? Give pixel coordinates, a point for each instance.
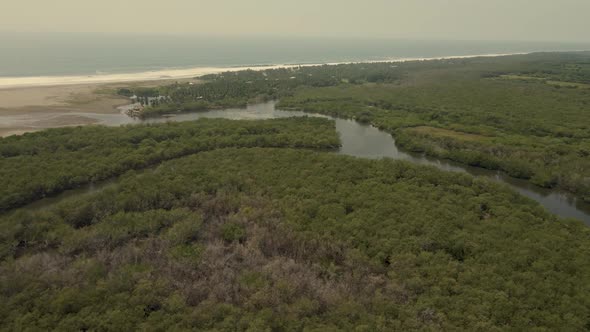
(526, 115)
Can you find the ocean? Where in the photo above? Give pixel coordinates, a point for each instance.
(56, 55)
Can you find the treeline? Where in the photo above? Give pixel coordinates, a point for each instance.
(44, 163)
(237, 89)
(507, 113)
(453, 109)
(564, 67)
(292, 240)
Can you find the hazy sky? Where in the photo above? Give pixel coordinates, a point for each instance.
(548, 20)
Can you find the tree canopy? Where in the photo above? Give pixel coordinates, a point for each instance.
(527, 115)
(44, 163)
(283, 239)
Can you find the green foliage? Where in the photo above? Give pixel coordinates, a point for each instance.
(186, 254)
(468, 111)
(125, 92)
(238, 235)
(139, 92)
(44, 163)
(233, 232)
(333, 243)
(237, 89)
(184, 232)
(531, 111)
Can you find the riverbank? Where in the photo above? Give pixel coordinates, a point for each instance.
(478, 144)
(362, 141)
(28, 109)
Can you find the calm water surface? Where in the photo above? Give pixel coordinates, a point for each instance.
(358, 140)
(66, 54)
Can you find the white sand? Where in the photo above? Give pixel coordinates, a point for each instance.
(40, 81)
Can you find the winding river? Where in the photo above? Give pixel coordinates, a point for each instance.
(358, 140)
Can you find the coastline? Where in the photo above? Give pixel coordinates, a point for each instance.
(187, 73)
(29, 104)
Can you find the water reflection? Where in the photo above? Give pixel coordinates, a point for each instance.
(366, 141)
(369, 142)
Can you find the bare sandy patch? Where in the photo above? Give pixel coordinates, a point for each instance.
(72, 98)
(29, 109)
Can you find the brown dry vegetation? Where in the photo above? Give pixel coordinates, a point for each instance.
(283, 240)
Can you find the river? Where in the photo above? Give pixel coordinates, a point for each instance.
(358, 140)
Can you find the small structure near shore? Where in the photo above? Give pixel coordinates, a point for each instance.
(133, 110)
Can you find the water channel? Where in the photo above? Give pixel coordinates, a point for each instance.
(358, 140)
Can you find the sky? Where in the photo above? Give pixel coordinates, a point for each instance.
(531, 20)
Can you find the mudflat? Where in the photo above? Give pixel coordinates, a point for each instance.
(26, 109)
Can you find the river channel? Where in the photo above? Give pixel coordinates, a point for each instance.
(358, 140)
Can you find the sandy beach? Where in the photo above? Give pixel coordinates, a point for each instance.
(175, 74)
(35, 103)
(27, 109)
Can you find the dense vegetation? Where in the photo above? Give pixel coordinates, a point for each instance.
(237, 89)
(231, 233)
(481, 112)
(289, 240)
(35, 165)
(527, 115)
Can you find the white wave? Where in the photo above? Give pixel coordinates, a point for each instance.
(40, 81)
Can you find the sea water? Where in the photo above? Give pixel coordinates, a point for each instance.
(34, 55)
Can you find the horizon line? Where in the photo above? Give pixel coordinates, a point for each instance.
(285, 36)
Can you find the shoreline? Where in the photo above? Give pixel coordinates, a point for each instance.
(28, 109)
(30, 104)
(8, 83)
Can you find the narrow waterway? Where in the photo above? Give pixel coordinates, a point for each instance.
(358, 140)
